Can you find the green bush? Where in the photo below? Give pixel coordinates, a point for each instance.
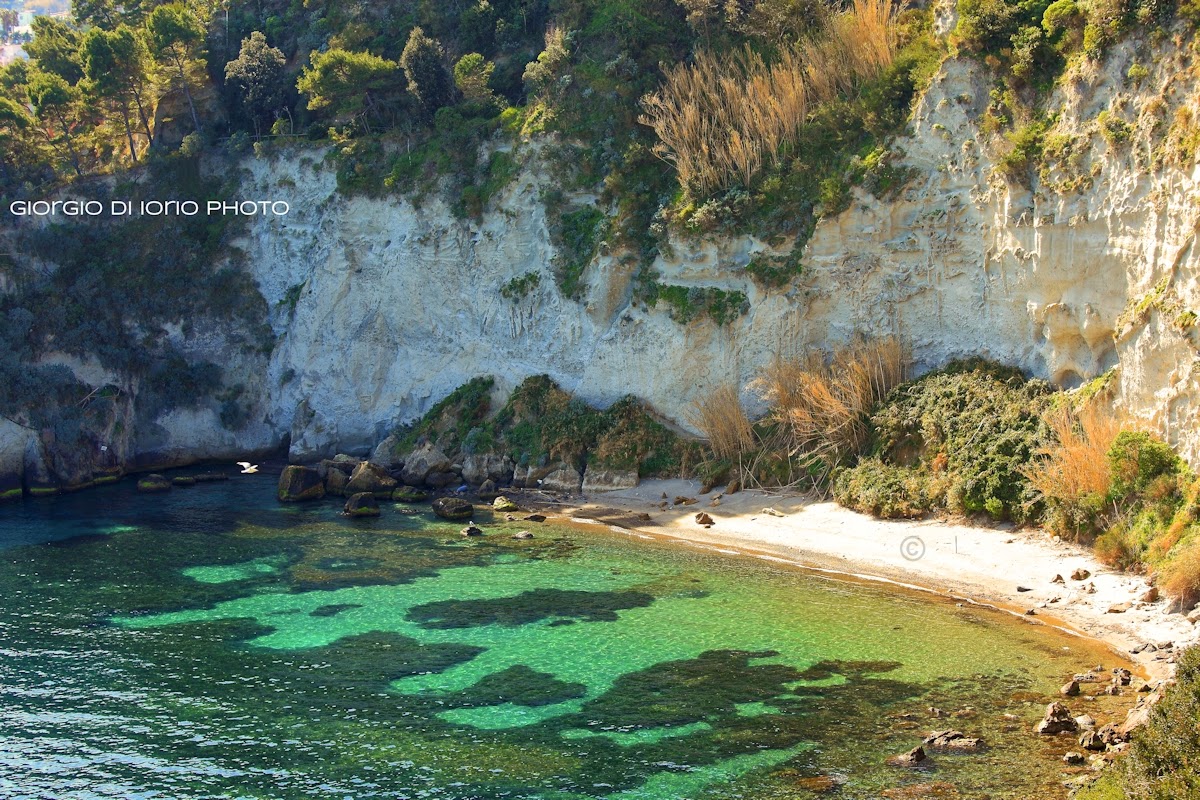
(974, 425)
(576, 235)
(1138, 460)
(882, 490)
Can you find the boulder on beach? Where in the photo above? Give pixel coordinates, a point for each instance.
(440, 480)
(368, 477)
(362, 504)
(502, 504)
(480, 467)
(453, 508)
(297, 484)
(596, 479)
(487, 490)
(154, 483)
(565, 479)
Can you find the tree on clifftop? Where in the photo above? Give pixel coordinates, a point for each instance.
(348, 84)
(428, 79)
(258, 75)
(53, 100)
(175, 36)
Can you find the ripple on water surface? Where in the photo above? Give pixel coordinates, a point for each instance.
(267, 653)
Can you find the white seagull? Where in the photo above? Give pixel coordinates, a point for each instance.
(247, 467)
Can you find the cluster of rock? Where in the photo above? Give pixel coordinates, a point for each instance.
(427, 469)
(155, 483)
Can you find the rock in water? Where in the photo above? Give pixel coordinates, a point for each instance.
(183, 480)
(1070, 689)
(910, 759)
(368, 477)
(298, 483)
(154, 483)
(335, 482)
(453, 508)
(362, 504)
(502, 504)
(409, 494)
(1058, 719)
(953, 742)
(522, 535)
(1074, 758)
(471, 530)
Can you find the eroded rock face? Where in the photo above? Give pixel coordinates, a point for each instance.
(1093, 269)
(478, 468)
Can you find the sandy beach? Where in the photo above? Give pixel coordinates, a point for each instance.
(1017, 570)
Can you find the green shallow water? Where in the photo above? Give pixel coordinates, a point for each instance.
(210, 643)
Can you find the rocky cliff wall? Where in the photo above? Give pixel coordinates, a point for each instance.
(1090, 271)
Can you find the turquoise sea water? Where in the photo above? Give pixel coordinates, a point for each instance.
(210, 643)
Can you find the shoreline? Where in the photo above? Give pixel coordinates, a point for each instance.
(1012, 570)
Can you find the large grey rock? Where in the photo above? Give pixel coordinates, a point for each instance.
(564, 479)
(386, 454)
(368, 477)
(335, 482)
(297, 484)
(596, 479)
(422, 462)
(480, 467)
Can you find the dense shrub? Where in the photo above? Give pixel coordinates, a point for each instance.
(886, 491)
(978, 423)
(1164, 760)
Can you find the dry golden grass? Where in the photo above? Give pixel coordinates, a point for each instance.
(1075, 464)
(721, 118)
(1180, 578)
(822, 406)
(723, 421)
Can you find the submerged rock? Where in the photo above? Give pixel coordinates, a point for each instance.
(154, 483)
(910, 759)
(471, 530)
(522, 535)
(211, 477)
(453, 508)
(362, 504)
(953, 742)
(1070, 689)
(183, 480)
(409, 494)
(297, 484)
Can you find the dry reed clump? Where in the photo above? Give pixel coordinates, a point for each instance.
(723, 421)
(721, 118)
(821, 408)
(1075, 464)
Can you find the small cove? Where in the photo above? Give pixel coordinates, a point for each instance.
(212, 643)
